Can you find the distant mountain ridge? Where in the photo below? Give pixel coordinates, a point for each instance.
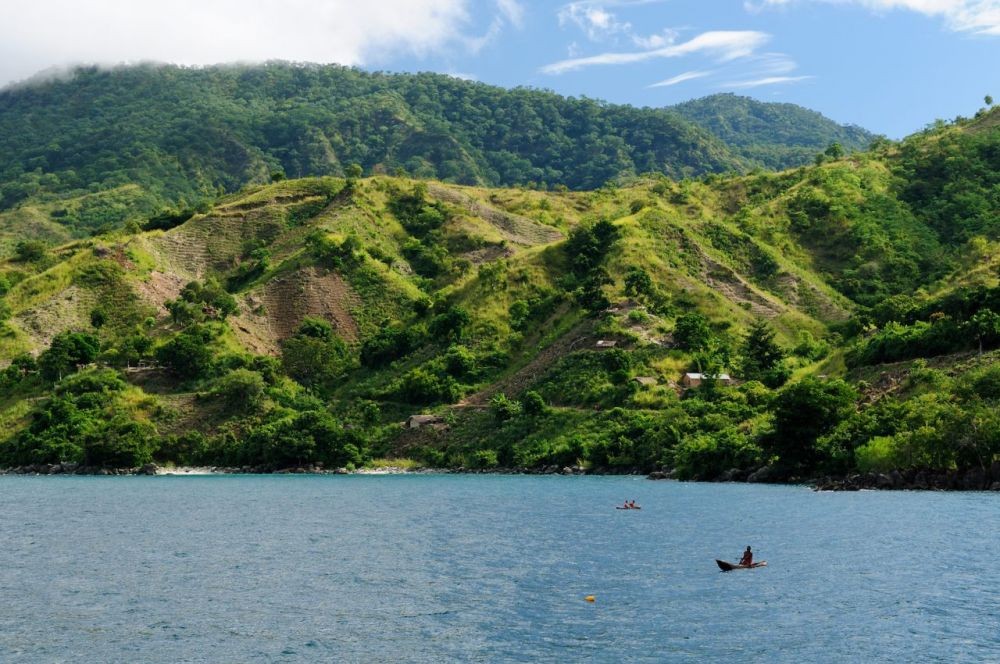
(184, 135)
(776, 135)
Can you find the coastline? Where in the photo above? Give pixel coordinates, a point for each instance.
(910, 480)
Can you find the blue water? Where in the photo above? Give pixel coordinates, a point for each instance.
(489, 569)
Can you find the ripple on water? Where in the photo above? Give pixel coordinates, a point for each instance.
(483, 569)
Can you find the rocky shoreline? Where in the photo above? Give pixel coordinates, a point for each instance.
(909, 480)
(973, 479)
(312, 469)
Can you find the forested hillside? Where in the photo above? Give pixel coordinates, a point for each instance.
(97, 148)
(775, 135)
(854, 302)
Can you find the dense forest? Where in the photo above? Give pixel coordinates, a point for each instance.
(844, 317)
(99, 147)
(774, 135)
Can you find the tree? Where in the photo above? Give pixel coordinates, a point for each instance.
(187, 355)
(989, 100)
(217, 303)
(315, 356)
(985, 325)
(692, 333)
(803, 412)
(760, 354)
(587, 246)
(638, 282)
(834, 151)
(590, 295)
(66, 352)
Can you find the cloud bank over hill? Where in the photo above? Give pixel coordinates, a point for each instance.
(42, 34)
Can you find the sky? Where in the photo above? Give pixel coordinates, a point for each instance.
(891, 66)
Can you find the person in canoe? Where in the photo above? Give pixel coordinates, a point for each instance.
(747, 558)
(631, 505)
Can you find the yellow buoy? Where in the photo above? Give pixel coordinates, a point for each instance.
(590, 598)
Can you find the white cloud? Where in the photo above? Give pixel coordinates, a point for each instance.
(722, 45)
(979, 16)
(773, 63)
(658, 40)
(593, 19)
(44, 33)
(767, 80)
(680, 78)
(513, 11)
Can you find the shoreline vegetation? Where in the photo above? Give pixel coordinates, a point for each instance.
(895, 480)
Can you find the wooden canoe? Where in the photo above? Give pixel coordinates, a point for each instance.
(729, 567)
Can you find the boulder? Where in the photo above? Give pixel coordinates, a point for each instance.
(148, 469)
(764, 474)
(657, 475)
(896, 478)
(974, 479)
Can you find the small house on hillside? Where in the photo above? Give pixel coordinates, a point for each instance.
(418, 421)
(696, 379)
(604, 343)
(646, 381)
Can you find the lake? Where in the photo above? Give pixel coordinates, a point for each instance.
(432, 568)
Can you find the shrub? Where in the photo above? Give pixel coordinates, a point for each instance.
(30, 251)
(422, 386)
(390, 343)
(533, 404)
(504, 408)
(241, 389)
(878, 455)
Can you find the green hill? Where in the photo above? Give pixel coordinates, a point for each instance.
(184, 135)
(98, 147)
(856, 302)
(774, 135)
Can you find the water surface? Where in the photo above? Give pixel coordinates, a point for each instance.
(489, 568)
